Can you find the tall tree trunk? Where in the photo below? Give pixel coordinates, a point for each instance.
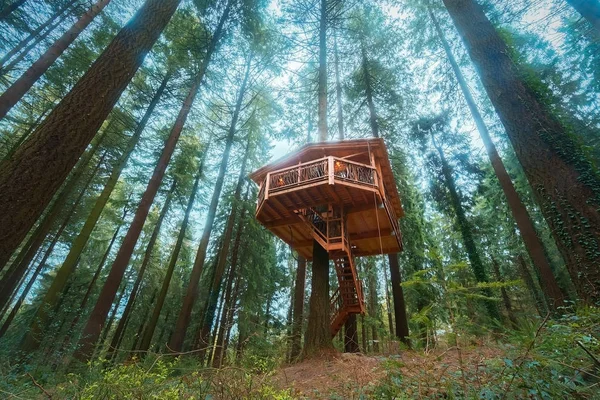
(10, 8)
(565, 185)
(183, 319)
(143, 324)
(373, 305)
(298, 313)
(504, 294)
(532, 242)
(589, 9)
(21, 262)
(31, 340)
(338, 90)
(149, 332)
(30, 178)
(351, 335)
(318, 332)
(78, 245)
(399, 303)
(388, 305)
(215, 288)
(92, 284)
(322, 124)
(540, 303)
(17, 90)
(230, 294)
(26, 134)
(466, 232)
(97, 318)
(113, 312)
(145, 262)
(25, 42)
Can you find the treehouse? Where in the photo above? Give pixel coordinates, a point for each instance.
(341, 195)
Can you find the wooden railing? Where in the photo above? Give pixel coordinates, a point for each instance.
(353, 172)
(327, 168)
(298, 175)
(335, 304)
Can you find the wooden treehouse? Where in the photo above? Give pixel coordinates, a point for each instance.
(341, 195)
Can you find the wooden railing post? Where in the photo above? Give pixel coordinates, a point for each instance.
(267, 184)
(330, 169)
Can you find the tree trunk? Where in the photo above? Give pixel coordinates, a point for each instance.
(230, 295)
(142, 326)
(149, 332)
(17, 90)
(213, 297)
(540, 304)
(140, 276)
(298, 313)
(21, 262)
(26, 134)
(23, 43)
(30, 178)
(322, 124)
(351, 335)
(31, 340)
(373, 305)
(113, 312)
(589, 9)
(9, 9)
(399, 303)
(318, 331)
(183, 319)
(532, 242)
(466, 232)
(504, 293)
(78, 245)
(338, 90)
(564, 183)
(388, 304)
(91, 285)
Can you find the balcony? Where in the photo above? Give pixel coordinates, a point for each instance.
(327, 170)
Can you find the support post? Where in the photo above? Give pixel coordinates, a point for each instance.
(330, 168)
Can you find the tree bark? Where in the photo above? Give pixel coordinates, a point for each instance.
(30, 178)
(466, 232)
(317, 339)
(21, 262)
(565, 185)
(17, 90)
(351, 335)
(149, 332)
(298, 312)
(140, 276)
(9, 9)
(399, 303)
(532, 242)
(589, 9)
(26, 134)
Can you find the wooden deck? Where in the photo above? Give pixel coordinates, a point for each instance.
(372, 221)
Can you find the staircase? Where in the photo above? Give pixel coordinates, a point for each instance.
(328, 228)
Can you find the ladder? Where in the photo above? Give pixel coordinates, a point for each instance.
(328, 228)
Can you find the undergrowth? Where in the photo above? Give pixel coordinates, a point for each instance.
(542, 359)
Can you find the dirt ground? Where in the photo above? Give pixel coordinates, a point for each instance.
(347, 376)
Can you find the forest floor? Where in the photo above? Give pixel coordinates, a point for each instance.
(354, 376)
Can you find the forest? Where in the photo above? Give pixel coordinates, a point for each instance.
(135, 258)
